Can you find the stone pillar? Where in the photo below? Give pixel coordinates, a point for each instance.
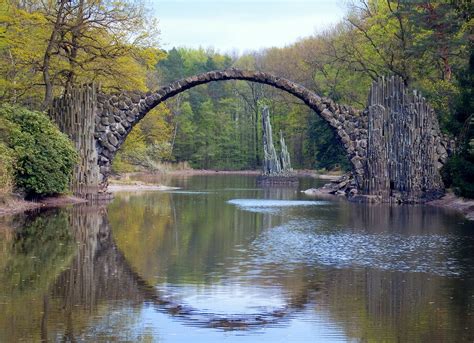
(271, 162)
(74, 113)
(285, 156)
(404, 145)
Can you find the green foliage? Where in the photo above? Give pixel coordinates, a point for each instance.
(120, 165)
(217, 125)
(328, 154)
(458, 174)
(133, 152)
(7, 163)
(110, 42)
(44, 156)
(147, 144)
(442, 96)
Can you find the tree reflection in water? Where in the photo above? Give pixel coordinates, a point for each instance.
(53, 289)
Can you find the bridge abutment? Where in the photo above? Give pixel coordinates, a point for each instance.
(75, 114)
(405, 147)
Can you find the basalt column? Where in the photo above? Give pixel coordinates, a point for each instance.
(75, 114)
(405, 146)
(285, 156)
(276, 168)
(271, 161)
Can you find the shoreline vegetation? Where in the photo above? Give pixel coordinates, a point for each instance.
(218, 125)
(125, 183)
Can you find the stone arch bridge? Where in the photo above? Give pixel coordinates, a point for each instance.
(395, 146)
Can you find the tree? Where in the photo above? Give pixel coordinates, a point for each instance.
(22, 36)
(72, 42)
(171, 68)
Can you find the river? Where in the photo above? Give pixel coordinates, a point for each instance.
(222, 259)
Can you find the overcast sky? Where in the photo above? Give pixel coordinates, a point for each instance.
(242, 25)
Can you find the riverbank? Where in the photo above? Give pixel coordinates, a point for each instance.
(192, 172)
(297, 173)
(448, 201)
(451, 201)
(14, 205)
(137, 187)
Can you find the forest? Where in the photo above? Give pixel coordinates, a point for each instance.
(48, 46)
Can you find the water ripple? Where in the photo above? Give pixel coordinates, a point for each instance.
(422, 253)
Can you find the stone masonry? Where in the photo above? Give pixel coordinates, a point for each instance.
(381, 166)
(118, 113)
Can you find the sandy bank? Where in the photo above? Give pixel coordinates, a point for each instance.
(298, 173)
(137, 187)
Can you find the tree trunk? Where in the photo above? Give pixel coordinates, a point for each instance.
(48, 82)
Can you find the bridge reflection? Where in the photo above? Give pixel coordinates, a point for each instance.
(99, 273)
(91, 279)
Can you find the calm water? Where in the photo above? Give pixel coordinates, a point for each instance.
(221, 259)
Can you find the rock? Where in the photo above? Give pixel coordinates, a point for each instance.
(135, 98)
(121, 129)
(112, 139)
(149, 101)
(395, 150)
(285, 156)
(271, 162)
(357, 162)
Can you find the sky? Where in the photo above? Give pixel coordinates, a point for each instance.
(242, 25)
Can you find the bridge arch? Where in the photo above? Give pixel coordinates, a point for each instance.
(117, 114)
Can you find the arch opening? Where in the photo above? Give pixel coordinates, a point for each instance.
(117, 114)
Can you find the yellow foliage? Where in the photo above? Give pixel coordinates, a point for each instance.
(108, 57)
(22, 38)
(6, 170)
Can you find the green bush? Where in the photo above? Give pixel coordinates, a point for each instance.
(458, 174)
(7, 162)
(44, 156)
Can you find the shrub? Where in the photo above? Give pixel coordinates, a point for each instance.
(458, 174)
(45, 157)
(7, 162)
